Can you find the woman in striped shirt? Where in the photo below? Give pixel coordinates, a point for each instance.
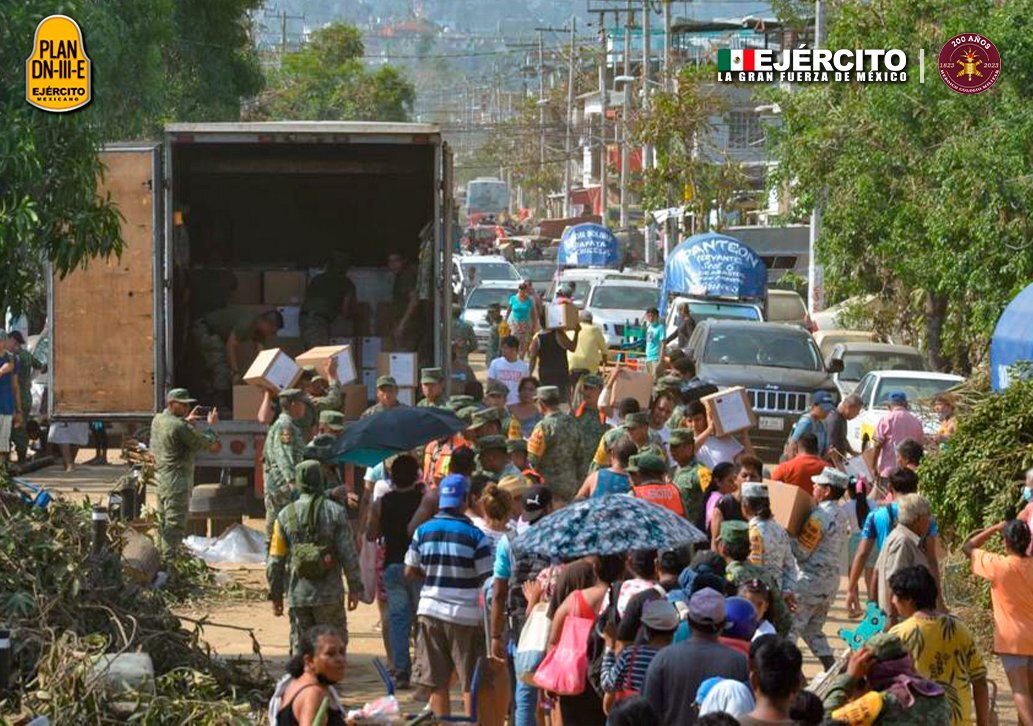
(622, 674)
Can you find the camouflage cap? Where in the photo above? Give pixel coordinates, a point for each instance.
(333, 420)
(885, 646)
(496, 388)
(386, 382)
(639, 418)
(649, 463)
(485, 416)
(321, 448)
(290, 395)
(549, 395)
(432, 375)
(516, 445)
(667, 383)
(682, 436)
(735, 532)
(466, 413)
(458, 403)
(179, 395)
(591, 380)
(491, 443)
(754, 490)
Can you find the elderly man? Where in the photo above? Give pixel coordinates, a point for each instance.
(903, 546)
(896, 426)
(836, 425)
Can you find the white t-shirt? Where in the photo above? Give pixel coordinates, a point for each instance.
(503, 371)
(718, 449)
(850, 509)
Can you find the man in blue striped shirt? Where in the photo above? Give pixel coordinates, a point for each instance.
(454, 558)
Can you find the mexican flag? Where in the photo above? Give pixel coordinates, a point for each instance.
(734, 60)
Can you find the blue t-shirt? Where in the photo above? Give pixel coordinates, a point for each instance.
(654, 340)
(503, 568)
(807, 425)
(879, 523)
(520, 311)
(7, 387)
(610, 482)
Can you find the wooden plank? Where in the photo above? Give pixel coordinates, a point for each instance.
(103, 323)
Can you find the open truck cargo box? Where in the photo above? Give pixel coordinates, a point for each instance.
(254, 196)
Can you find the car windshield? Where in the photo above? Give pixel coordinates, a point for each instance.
(857, 364)
(612, 297)
(536, 273)
(722, 311)
(491, 271)
(484, 296)
(916, 389)
(762, 347)
(786, 307)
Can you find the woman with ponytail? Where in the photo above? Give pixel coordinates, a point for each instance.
(305, 696)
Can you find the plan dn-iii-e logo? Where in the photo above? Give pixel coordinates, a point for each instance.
(57, 72)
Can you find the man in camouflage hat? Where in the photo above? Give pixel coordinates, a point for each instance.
(313, 526)
(493, 457)
(650, 474)
(483, 422)
(555, 448)
(691, 477)
(882, 665)
(387, 396)
(331, 422)
(517, 450)
(734, 545)
(281, 454)
(669, 384)
(432, 383)
(591, 422)
(174, 443)
(458, 402)
(818, 549)
(495, 394)
(635, 425)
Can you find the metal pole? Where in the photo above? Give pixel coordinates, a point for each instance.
(625, 112)
(603, 94)
(815, 296)
(543, 200)
(667, 42)
(99, 517)
(570, 113)
(650, 246)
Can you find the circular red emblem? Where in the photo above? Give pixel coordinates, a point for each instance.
(969, 63)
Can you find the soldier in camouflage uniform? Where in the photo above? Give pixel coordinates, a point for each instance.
(495, 393)
(483, 422)
(320, 601)
(329, 294)
(432, 382)
(387, 396)
(769, 542)
(174, 442)
(691, 477)
(281, 454)
(464, 340)
(636, 425)
(734, 545)
(493, 458)
(25, 364)
(591, 422)
(554, 448)
(517, 450)
(818, 549)
(928, 707)
(216, 336)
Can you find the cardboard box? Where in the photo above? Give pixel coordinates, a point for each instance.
(729, 410)
(290, 346)
(356, 400)
(274, 370)
(283, 287)
(401, 366)
(246, 401)
(371, 348)
(632, 384)
(561, 315)
(249, 288)
(790, 505)
(291, 321)
(407, 395)
(321, 356)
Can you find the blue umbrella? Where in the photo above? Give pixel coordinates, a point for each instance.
(609, 524)
(402, 428)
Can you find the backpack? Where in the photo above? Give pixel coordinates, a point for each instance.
(309, 559)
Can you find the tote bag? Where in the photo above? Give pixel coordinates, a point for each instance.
(565, 668)
(368, 570)
(534, 640)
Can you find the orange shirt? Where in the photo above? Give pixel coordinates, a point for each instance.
(1011, 582)
(799, 470)
(661, 494)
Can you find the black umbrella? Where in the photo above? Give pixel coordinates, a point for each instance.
(402, 428)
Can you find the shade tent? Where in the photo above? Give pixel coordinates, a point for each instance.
(588, 245)
(1012, 341)
(713, 265)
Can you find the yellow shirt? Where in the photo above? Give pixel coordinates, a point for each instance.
(591, 349)
(944, 651)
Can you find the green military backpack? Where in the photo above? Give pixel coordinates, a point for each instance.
(309, 559)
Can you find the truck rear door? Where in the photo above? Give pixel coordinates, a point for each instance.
(107, 321)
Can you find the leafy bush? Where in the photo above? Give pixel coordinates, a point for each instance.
(976, 481)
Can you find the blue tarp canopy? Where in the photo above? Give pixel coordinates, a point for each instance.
(1012, 341)
(713, 265)
(588, 245)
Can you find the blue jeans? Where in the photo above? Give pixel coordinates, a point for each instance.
(402, 597)
(525, 697)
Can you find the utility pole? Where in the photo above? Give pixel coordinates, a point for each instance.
(815, 273)
(646, 151)
(625, 112)
(541, 121)
(570, 121)
(667, 43)
(603, 94)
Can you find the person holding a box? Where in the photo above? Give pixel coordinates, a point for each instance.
(217, 336)
(769, 542)
(549, 351)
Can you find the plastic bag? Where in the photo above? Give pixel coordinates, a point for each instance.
(382, 710)
(238, 544)
(368, 570)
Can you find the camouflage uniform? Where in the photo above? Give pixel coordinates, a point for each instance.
(818, 550)
(281, 453)
(692, 481)
(25, 364)
(324, 298)
(464, 340)
(377, 408)
(555, 451)
(780, 616)
(770, 548)
(601, 460)
(313, 602)
(210, 334)
(315, 405)
(174, 441)
(592, 425)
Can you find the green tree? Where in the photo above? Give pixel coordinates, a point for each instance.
(927, 195)
(327, 80)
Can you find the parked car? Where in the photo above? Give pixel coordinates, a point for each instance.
(539, 272)
(475, 310)
(786, 306)
(859, 359)
(583, 279)
(616, 302)
(779, 366)
(919, 386)
(829, 339)
(487, 268)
